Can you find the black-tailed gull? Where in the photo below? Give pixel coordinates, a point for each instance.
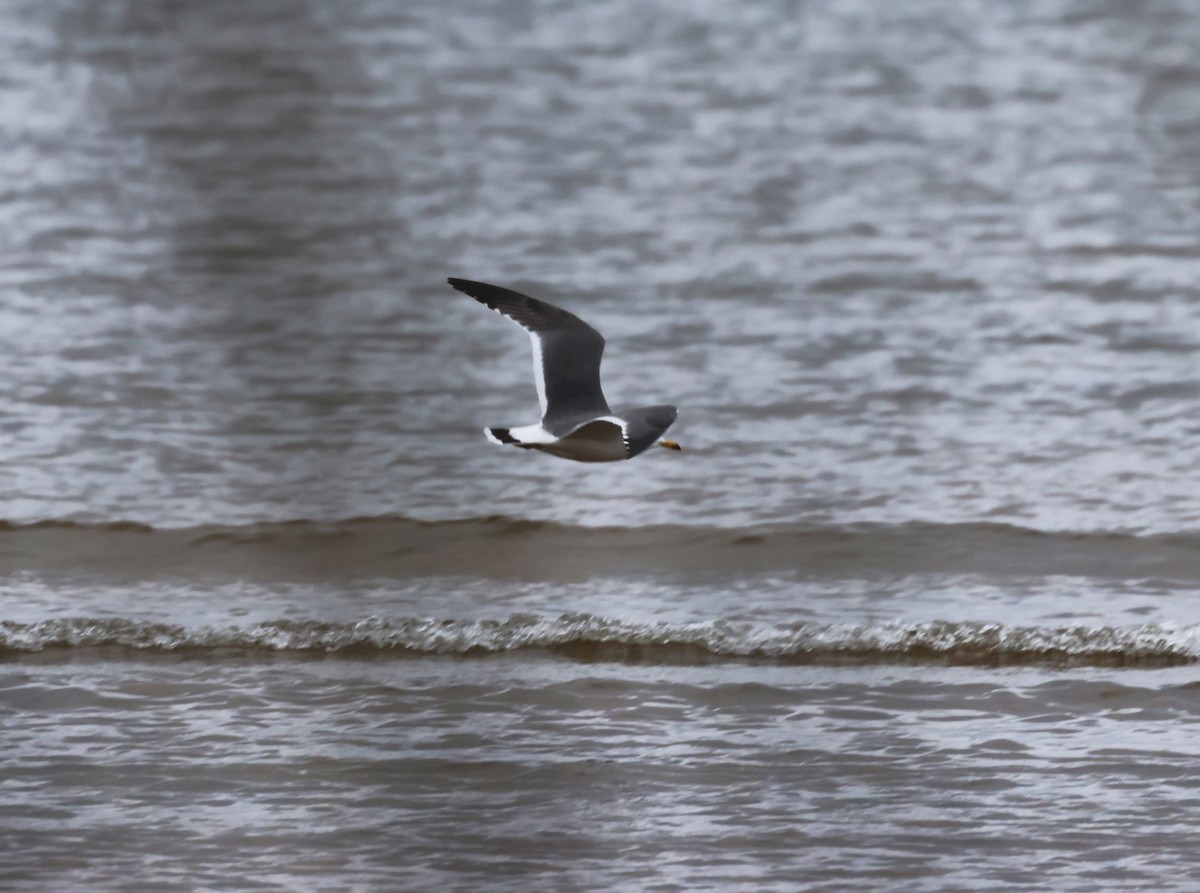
(576, 421)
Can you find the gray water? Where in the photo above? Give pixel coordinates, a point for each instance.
(914, 608)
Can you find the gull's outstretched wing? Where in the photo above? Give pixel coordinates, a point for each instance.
(566, 354)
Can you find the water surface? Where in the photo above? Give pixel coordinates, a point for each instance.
(914, 607)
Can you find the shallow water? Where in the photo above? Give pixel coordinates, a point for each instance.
(915, 606)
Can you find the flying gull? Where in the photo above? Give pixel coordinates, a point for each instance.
(576, 421)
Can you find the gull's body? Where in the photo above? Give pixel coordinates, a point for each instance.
(576, 421)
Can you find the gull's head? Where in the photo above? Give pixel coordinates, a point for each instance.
(670, 445)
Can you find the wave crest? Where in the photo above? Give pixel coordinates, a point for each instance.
(586, 637)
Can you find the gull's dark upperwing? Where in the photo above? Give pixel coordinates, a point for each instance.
(566, 354)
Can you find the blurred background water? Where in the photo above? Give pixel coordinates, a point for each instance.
(915, 605)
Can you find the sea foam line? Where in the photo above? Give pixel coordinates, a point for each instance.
(589, 637)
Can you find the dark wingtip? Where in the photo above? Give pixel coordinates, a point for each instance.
(502, 436)
(476, 290)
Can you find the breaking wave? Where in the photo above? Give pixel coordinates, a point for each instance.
(586, 637)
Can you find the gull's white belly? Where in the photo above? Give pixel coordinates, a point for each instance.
(599, 441)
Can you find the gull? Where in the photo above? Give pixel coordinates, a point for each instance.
(576, 421)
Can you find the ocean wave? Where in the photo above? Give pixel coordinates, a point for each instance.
(587, 637)
(498, 546)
